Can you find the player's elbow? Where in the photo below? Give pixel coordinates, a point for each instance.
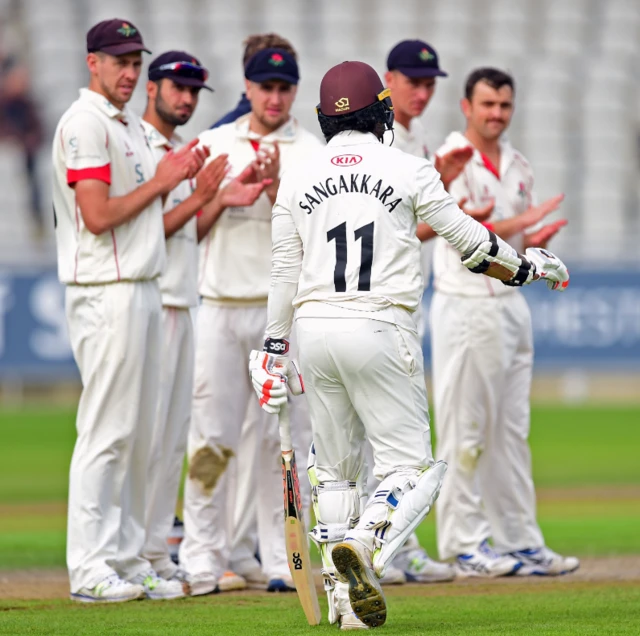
(95, 224)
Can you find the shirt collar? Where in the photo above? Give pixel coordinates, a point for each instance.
(104, 105)
(157, 140)
(352, 138)
(286, 133)
(506, 151)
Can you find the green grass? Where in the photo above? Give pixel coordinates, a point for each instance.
(581, 609)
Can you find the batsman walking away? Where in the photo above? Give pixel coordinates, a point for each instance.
(346, 259)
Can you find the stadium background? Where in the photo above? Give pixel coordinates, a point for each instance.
(576, 65)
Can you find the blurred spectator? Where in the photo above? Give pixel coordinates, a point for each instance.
(20, 123)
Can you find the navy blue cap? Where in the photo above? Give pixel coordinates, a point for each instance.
(272, 64)
(414, 58)
(181, 67)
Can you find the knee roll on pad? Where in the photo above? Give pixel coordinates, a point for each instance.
(400, 503)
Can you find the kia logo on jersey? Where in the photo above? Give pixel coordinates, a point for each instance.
(346, 160)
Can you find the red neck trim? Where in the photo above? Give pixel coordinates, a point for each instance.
(255, 144)
(489, 166)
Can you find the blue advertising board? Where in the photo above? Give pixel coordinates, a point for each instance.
(594, 325)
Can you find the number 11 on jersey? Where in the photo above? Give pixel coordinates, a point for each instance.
(339, 235)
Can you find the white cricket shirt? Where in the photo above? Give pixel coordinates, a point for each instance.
(235, 257)
(511, 189)
(344, 232)
(95, 140)
(411, 140)
(179, 281)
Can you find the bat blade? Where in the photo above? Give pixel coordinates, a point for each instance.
(296, 541)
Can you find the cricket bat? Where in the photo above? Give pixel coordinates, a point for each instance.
(294, 531)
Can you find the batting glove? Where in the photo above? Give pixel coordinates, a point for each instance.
(269, 378)
(549, 267)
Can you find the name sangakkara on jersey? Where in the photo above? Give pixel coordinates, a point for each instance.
(361, 184)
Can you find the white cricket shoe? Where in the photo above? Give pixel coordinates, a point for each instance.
(353, 563)
(544, 562)
(393, 576)
(419, 567)
(158, 589)
(485, 561)
(350, 622)
(230, 582)
(202, 583)
(112, 589)
(251, 572)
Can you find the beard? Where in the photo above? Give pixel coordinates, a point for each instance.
(271, 124)
(169, 117)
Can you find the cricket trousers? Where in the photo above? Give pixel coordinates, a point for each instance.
(169, 442)
(115, 337)
(225, 336)
(482, 366)
(364, 379)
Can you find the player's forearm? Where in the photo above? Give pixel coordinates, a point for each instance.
(176, 218)
(286, 264)
(425, 232)
(272, 191)
(105, 215)
(211, 212)
(510, 227)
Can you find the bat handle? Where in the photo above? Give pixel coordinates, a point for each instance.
(285, 428)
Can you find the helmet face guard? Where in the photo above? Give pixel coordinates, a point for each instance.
(380, 112)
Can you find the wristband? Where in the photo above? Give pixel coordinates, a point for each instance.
(276, 347)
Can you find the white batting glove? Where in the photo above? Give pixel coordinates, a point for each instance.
(269, 378)
(548, 267)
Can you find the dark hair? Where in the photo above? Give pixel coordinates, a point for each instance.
(371, 119)
(261, 41)
(492, 76)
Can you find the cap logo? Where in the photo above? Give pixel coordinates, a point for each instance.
(342, 104)
(425, 56)
(127, 30)
(276, 59)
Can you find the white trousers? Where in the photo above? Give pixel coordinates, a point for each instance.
(364, 378)
(222, 394)
(169, 442)
(482, 367)
(115, 336)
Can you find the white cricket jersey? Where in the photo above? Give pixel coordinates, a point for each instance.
(95, 140)
(512, 191)
(235, 257)
(344, 231)
(179, 281)
(411, 140)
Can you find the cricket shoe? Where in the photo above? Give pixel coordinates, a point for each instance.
(393, 576)
(419, 567)
(202, 583)
(485, 561)
(350, 622)
(544, 562)
(353, 563)
(347, 620)
(281, 584)
(231, 582)
(158, 589)
(112, 589)
(251, 572)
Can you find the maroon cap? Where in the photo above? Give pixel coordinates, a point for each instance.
(115, 37)
(349, 87)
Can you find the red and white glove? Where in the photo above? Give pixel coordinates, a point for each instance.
(548, 267)
(271, 373)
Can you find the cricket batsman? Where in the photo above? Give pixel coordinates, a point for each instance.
(346, 256)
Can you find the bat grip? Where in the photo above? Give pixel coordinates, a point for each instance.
(285, 428)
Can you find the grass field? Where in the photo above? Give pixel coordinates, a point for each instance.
(585, 465)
